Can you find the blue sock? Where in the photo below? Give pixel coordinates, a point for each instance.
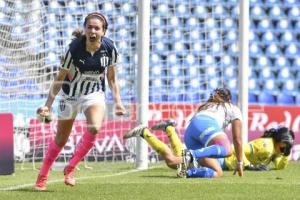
(203, 172)
(213, 151)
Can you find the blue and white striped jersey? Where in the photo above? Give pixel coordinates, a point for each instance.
(86, 71)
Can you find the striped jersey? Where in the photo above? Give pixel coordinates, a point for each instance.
(86, 71)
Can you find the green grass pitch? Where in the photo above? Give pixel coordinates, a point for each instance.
(118, 181)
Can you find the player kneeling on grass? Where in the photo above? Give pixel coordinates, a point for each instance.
(205, 137)
(274, 146)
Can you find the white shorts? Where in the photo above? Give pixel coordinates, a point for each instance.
(69, 107)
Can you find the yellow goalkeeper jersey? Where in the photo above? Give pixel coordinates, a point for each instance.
(260, 151)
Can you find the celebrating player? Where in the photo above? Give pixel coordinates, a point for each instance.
(81, 80)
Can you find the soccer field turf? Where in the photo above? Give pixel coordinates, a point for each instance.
(121, 181)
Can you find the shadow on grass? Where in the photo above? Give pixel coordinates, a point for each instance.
(160, 176)
(31, 190)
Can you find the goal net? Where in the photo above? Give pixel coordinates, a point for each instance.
(193, 50)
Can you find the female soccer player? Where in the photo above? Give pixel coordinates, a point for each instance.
(81, 80)
(273, 147)
(204, 137)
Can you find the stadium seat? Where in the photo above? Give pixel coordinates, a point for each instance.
(266, 73)
(297, 99)
(292, 51)
(268, 37)
(200, 11)
(284, 73)
(157, 22)
(284, 99)
(289, 85)
(255, 50)
(257, 11)
(273, 50)
(269, 85)
(281, 61)
(294, 12)
(266, 98)
(264, 25)
(252, 98)
(276, 12)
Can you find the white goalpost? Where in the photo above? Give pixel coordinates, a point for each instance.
(173, 54)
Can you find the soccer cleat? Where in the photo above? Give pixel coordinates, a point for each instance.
(164, 124)
(181, 171)
(135, 132)
(188, 161)
(69, 176)
(41, 183)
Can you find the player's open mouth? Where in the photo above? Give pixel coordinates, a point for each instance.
(92, 38)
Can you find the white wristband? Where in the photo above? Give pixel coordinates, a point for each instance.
(239, 163)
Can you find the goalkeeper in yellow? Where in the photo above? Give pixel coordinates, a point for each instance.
(273, 147)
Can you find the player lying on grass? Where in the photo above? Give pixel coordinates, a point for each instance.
(273, 147)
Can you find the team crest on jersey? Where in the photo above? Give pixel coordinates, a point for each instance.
(104, 61)
(62, 105)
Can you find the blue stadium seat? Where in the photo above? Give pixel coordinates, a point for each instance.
(158, 35)
(162, 9)
(276, 12)
(288, 37)
(200, 11)
(265, 25)
(266, 73)
(266, 98)
(157, 22)
(281, 61)
(263, 61)
(285, 99)
(127, 8)
(294, 12)
(181, 10)
(297, 99)
(176, 35)
(252, 98)
(257, 11)
(292, 51)
(255, 50)
(268, 37)
(273, 50)
(269, 85)
(285, 73)
(289, 86)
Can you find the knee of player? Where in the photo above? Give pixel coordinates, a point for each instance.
(171, 165)
(229, 151)
(94, 130)
(218, 173)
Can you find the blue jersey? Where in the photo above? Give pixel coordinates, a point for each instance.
(86, 71)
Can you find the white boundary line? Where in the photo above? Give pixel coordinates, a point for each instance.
(17, 187)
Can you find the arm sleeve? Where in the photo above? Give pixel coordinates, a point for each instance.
(68, 61)
(114, 55)
(281, 162)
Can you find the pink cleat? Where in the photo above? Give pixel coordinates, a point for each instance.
(69, 176)
(41, 183)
